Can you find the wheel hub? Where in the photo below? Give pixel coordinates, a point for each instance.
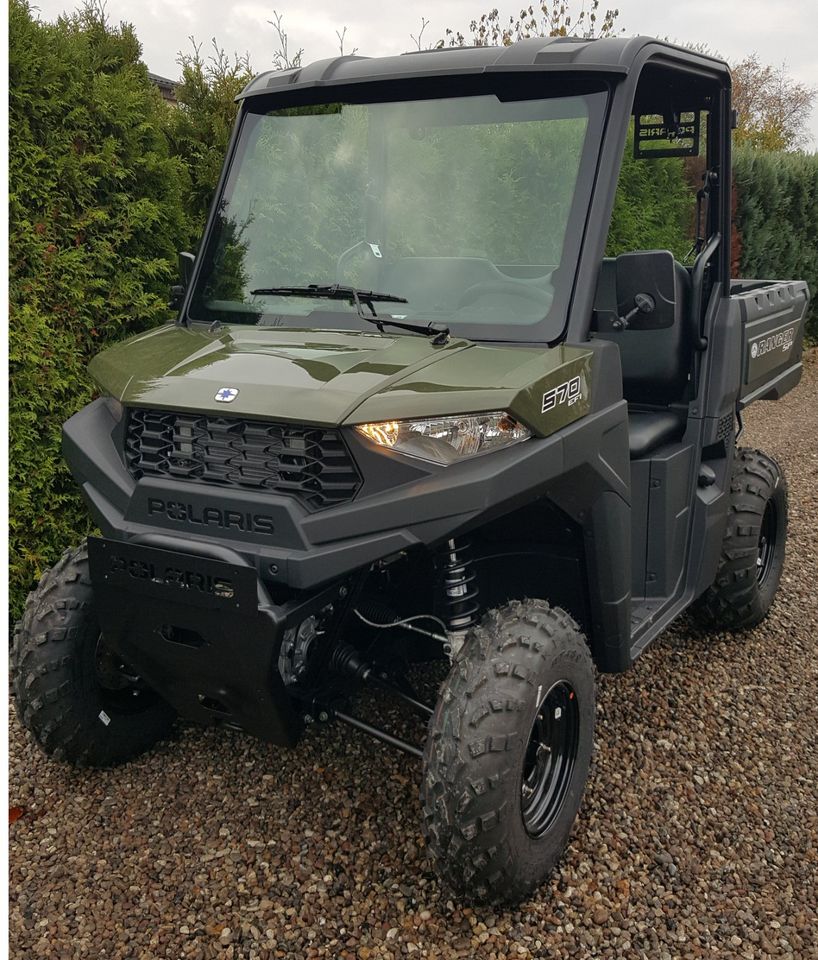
(112, 673)
(120, 688)
(549, 758)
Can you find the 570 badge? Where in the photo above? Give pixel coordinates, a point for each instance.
(568, 393)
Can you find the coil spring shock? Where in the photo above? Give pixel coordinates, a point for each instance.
(458, 580)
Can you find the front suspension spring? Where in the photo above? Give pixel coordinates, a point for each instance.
(458, 581)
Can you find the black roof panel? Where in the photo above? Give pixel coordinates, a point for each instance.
(566, 54)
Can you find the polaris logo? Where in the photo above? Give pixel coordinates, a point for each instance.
(226, 395)
(783, 340)
(189, 514)
(176, 577)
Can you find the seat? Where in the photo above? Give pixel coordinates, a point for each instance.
(649, 429)
(655, 363)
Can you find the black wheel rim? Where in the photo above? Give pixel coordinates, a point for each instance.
(767, 542)
(549, 758)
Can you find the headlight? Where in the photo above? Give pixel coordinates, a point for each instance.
(447, 439)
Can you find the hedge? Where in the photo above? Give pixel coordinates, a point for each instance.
(654, 207)
(775, 233)
(95, 219)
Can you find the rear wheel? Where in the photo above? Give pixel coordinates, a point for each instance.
(76, 697)
(508, 752)
(752, 556)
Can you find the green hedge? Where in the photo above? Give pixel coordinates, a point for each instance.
(96, 217)
(776, 219)
(653, 208)
(199, 130)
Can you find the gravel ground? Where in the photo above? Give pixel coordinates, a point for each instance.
(698, 836)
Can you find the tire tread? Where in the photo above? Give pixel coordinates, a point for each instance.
(468, 773)
(49, 673)
(735, 600)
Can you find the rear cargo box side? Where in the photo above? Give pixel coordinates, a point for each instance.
(773, 315)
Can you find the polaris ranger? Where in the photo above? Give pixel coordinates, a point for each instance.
(409, 410)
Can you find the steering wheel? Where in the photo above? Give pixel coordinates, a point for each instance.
(526, 291)
(346, 254)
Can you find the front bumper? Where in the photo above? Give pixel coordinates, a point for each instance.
(401, 505)
(583, 469)
(196, 586)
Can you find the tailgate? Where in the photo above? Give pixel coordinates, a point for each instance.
(773, 316)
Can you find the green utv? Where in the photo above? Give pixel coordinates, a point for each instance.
(410, 410)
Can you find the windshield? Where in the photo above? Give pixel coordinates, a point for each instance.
(470, 208)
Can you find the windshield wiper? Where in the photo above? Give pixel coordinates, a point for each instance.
(339, 291)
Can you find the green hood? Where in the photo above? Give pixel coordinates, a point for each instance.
(329, 377)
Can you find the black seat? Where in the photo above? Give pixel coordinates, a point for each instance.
(655, 363)
(649, 429)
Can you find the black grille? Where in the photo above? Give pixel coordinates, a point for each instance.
(724, 431)
(309, 463)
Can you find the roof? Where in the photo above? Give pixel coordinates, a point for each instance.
(611, 55)
(162, 81)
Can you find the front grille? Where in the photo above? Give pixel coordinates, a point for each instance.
(311, 464)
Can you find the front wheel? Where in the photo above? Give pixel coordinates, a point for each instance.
(508, 752)
(78, 700)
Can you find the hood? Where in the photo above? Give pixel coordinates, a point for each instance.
(324, 377)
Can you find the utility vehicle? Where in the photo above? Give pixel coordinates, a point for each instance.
(410, 410)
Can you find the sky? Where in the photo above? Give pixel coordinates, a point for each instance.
(782, 32)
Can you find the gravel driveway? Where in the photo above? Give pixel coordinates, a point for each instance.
(698, 836)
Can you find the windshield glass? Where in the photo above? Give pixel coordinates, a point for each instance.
(464, 206)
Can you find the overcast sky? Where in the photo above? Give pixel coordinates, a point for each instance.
(781, 32)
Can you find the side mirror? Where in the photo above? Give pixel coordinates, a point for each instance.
(646, 290)
(177, 291)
